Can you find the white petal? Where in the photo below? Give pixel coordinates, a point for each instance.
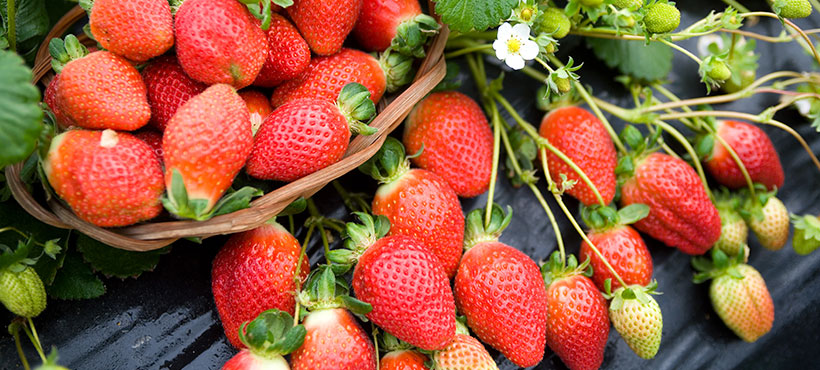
(502, 53)
(522, 31)
(529, 50)
(803, 106)
(515, 61)
(504, 32)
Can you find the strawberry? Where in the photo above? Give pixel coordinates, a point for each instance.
(718, 70)
(306, 135)
(288, 53)
(418, 204)
(637, 317)
(621, 246)
(681, 215)
(326, 76)
(755, 150)
(254, 272)
(22, 292)
(325, 23)
(628, 4)
(464, 353)
(258, 107)
(806, 237)
(154, 140)
(733, 229)
(50, 98)
(738, 294)
(457, 141)
(204, 146)
(98, 91)
(168, 88)
(501, 292)
(403, 360)
(108, 178)
(792, 8)
(219, 41)
(769, 223)
(268, 337)
(661, 17)
(554, 22)
(402, 280)
(135, 29)
(396, 24)
(583, 138)
(577, 319)
(334, 339)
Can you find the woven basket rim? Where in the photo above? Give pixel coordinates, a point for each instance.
(154, 235)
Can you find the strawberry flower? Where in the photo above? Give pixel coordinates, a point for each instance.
(514, 46)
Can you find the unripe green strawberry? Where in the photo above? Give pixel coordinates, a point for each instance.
(733, 231)
(564, 85)
(806, 234)
(554, 22)
(772, 230)
(744, 304)
(792, 8)
(746, 79)
(624, 4)
(22, 292)
(719, 71)
(637, 317)
(662, 18)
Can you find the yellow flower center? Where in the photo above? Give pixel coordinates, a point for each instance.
(513, 45)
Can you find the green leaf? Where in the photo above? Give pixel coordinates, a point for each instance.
(117, 262)
(633, 213)
(31, 23)
(645, 62)
(75, 280)
(47, 267)
(478, 15)
(21, 119)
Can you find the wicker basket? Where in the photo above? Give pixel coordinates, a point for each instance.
(154, 235)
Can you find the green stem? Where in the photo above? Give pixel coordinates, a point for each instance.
(815, 4)
(12, 228)
(11, 11)
(496, 157)
(18, 345)
(688, 147)
(732, 49)
(682, 50)
(291, 225)
(468, 50)
(314, 212)
(809, 47)
(35, 341)
(737, 5)
(354, 202)
(297, 280)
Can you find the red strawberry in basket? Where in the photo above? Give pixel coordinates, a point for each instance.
(108, 178)
(219, 41)
(168, 88)
(50, 98)
(403, 360)
(681, 215)
(457, 141)
(325, 77)
(418, 204)
(204, 146)
(334, 339)
(306, 135)
(399, 24)
(268, 337)
(135, 29)
(154, 140)
(258, 107)
(288, 53)
(501, 291)
(99, 90)
(583, 138)
(325, 24)
(755, 150)
(577, 318)
(402, 280)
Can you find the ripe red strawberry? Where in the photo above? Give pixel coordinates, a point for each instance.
(418, 204)
(204, 146)
(268, 337)
(755, 150)
(772, 229)
(457, 141)
(258, 107)
(219, 41)
(135, 29)
(403, 360)
(577, 319)
(306, 135)
(583, 138)
(50, 98)
(253, 272)
(501, 291)
(109, 179)
(625, 251)
(154, 140)
(403, 281)
(288, 53)
(464, 353)
(334, 339)
(168, 88)
(326, 76)
(396, 23)
(325, 24)
(637, 317)
(102, 90)
(681, 215)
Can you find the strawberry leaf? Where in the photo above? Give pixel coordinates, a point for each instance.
(31, 25)
(645, 62)
(117, 262)
(806, 237)
(21, 119)
(478, 15)
(75, 280)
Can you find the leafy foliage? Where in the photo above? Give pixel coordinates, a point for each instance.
(474, 15)
(75, 280)
(645, 62)
(31, 25)
(21, 119)
(120, 263)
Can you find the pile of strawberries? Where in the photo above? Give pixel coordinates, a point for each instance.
(155, 119)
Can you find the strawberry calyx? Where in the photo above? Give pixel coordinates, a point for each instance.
(641, 147)
(389, 343)
(637, 292)
(398, 69)
(64, 51)
(177, 202)
(272, 334)
(360, 236)
(389, 164)
(555, 269)
(324, 291)
(806, 236)
(602, 218)
(752, 205)
(355, 104)
(476, 232)
(412, 35)
(719, 264)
